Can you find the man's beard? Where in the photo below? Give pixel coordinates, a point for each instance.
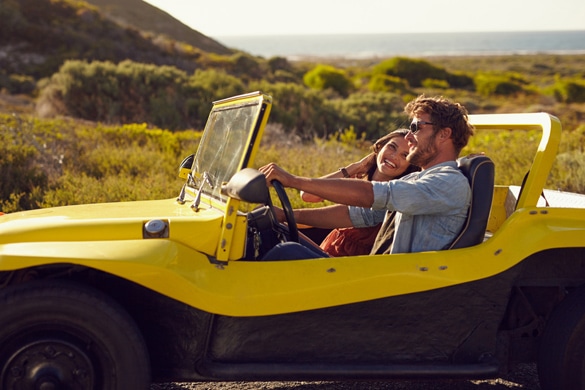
(423, 154)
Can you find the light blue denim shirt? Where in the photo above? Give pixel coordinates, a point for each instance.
(431, 208)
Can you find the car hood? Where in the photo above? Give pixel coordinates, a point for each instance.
(114, 221)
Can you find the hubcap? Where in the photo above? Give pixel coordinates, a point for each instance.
(48, 365)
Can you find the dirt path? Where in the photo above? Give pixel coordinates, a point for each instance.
(524, 378)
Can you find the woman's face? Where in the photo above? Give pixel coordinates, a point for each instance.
(391, 159)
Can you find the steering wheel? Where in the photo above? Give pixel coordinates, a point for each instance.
(293, 230)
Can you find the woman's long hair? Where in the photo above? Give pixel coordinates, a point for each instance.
(379, 144)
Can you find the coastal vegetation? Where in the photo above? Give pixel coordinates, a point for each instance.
(110, 119)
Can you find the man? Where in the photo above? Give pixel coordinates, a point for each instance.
(429, 207)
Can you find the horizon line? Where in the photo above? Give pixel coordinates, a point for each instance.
(392, 33)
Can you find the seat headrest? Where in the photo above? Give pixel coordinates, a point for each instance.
(479, 170)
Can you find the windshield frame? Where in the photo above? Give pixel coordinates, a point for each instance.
(230, 141)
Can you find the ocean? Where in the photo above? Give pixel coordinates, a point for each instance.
(358, 46)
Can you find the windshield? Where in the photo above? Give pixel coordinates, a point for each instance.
(227, 142)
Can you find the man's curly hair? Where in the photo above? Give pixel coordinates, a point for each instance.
(444, 113)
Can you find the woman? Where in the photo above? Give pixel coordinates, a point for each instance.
(386, 162)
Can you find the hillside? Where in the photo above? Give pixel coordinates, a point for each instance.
(37, 36)
(146, 17)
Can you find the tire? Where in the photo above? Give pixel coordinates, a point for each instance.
(59, 335)
(561, 361)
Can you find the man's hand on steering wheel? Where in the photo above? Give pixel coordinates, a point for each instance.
(287, 210)
(279, 178)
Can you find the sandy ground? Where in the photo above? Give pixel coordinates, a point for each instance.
(523, 377)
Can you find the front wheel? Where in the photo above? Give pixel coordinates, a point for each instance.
(561, 362)
(58, 335)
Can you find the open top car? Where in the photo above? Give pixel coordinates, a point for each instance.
(116, 295)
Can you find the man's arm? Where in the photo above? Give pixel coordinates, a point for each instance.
(330, 217)
(352, 192)
(356, 169)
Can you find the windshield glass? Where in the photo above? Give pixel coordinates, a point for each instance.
(225, 145)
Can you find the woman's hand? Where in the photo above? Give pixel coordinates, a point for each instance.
(363, 166)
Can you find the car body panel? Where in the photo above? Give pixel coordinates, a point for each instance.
(261, 288)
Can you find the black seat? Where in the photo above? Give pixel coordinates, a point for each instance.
(479, 170)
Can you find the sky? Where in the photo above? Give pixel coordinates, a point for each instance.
(220, 18)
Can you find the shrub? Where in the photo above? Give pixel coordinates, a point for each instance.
(460, 80)
(279, 63)
(435, 84)
(301, 111)
(22, 165)
(16, 83)
(124, 93)
(569, 167)
(372, 113)
(324, 77)
(59, 162)
(247, 67)
(385, 83)
(412, 70)
(208, 86)
(569, 90)
(488, 84)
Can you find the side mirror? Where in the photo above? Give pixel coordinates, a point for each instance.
(186, 166)
(248, 185)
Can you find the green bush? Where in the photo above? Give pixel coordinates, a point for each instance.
(17, 83)
(373, 114)
(248, 67)
(569, 90)
(569, 166)
(279, 63)
(435, 84)
(489, 84)
(323, 77)
(58, 162)
(211, 85)
(131, 92)
(281, 70)
(412, 70)
(128, 92)
(24, 164)
(385, 83)
(460, 80)
(20, 176)
(301, 111)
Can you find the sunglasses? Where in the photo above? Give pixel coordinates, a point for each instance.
(414, 126)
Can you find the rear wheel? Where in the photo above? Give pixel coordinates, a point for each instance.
(56, 335)
(561, 362)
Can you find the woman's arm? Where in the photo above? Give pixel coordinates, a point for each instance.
(330, 217)
(356, 169)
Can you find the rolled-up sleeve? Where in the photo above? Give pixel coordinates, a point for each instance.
(364, 217)
(382, 196)
(439, 190)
